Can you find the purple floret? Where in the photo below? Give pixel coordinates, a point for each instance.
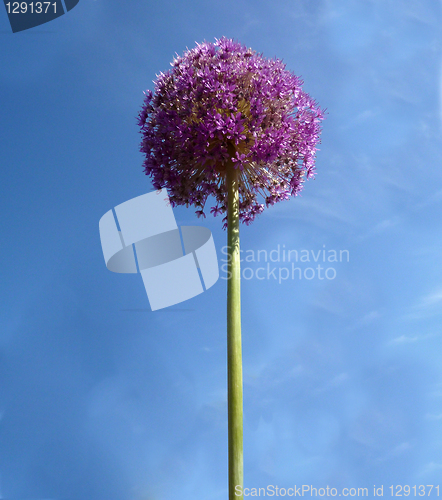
(220, 105)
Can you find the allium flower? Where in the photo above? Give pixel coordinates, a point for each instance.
(224, 104)
(225, 121)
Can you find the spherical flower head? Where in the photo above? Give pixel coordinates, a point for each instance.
(223, 106)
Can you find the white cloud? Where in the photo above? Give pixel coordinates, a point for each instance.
(396, 451)
(429, 468)
(426, 306)
(440, 94)
(434, 298)
(381, 227)
(336, 381)
(368, 114)
(403, 339)
(431, 416)
(315, 209)
(370, 317)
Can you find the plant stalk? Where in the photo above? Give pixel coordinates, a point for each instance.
(234, 355)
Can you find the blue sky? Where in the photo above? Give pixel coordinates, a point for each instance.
(102, 399)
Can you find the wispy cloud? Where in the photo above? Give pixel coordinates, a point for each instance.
(430, 468)
(436, 197)
(426, 306)
(362, 117)
(432, 416)
(334, 382)
(396, 451)
(440, 94)
(370, 317)
(432, 299)
(406, 339)
(316, 210)
(381, 227)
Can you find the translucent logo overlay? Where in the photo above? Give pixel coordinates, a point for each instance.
(142, 236)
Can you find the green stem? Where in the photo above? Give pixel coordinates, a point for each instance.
(234, 356)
